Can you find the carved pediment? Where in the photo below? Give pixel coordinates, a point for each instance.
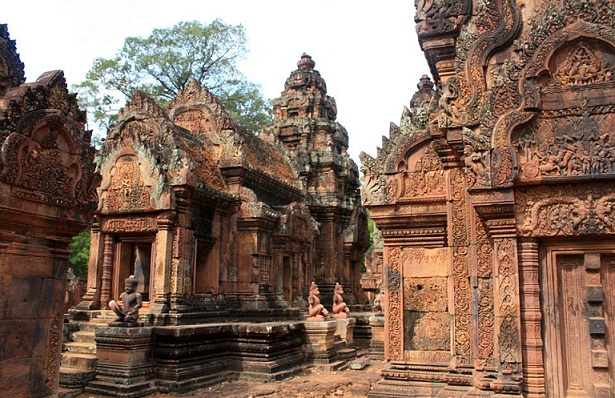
(127, 190)
(46, 159)
(419, 175)
(196, 109)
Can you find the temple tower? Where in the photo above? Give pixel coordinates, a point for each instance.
(304, 122)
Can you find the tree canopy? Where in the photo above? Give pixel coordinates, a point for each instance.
(80, 253)
(163, 63)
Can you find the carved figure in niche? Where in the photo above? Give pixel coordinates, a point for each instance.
(340, 309)
(317, 311)
(131, 300)
(582, 67)
(379, 304)
(475, 162)
(451, 113)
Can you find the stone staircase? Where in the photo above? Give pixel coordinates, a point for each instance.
(79, 350)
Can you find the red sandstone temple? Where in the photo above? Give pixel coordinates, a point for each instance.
(495, 199)
(215, 221)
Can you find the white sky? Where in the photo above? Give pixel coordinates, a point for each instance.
(367, 51)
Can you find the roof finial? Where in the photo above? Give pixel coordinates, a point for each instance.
(306, 62)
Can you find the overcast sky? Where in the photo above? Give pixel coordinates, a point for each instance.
(366, 51)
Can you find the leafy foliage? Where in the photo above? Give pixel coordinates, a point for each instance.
(80, 253)
(164, 62)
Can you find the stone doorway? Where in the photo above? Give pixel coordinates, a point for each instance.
(206, 269)
(579, 319)
(134, 256)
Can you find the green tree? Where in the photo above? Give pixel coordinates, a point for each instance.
(163, 63)
(80, 253)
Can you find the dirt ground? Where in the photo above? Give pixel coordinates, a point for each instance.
(312, 383)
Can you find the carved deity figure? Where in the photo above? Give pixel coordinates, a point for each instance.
(340, 309)
(317, 311)
(131, 300)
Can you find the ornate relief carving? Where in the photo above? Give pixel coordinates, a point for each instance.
(395, 295)
(557, 28)
(197, 121)
(417, 176)
(127, 190)
(45, 162)
(572, 210)
(582, 67)
(567, 147)
(53, 352)
(460, 240)
(497, 23)
(507, 305)
(130, 225)
(438, 17)
(486, 318)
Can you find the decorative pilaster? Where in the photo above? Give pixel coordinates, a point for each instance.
(506, 306)
(531, 319)
(394, 328)
(162, 267)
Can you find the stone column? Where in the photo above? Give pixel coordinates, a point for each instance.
(162, 267)
(531, 319)
(276, 266)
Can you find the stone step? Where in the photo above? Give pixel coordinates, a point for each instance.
(114, 388)
(79, 361)
(91, 326)
(70, 392)
(333, 366)
(84, 337)
(346, 354)
(74, 378)
(80, 348)
(339, 344)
